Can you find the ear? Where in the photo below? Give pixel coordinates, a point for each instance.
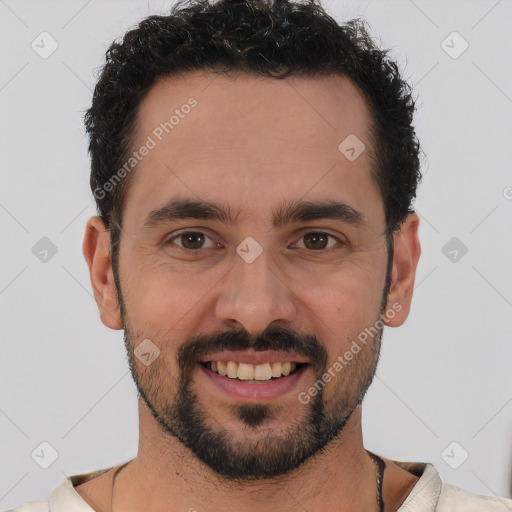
(96, 249)
(405, 260)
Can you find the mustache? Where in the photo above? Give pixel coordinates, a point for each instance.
(272, 338)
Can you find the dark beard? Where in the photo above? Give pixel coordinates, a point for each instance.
(265, 455)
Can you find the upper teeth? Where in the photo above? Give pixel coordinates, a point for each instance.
(245, 371)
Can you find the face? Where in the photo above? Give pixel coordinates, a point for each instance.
(252, 256)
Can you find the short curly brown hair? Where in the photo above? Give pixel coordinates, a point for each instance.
(272, 38)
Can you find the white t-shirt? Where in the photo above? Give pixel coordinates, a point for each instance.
(428, 495)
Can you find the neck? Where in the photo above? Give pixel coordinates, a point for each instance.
(342, 477)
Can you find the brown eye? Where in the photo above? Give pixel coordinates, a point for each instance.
(190, 240)
(317, 240)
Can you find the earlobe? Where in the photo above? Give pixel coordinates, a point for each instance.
(407, 252)
(96, 251)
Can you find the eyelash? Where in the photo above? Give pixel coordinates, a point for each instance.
(177, 236)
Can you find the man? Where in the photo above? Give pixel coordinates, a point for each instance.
(254, 165)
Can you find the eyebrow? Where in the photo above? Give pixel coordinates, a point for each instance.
(287, 213)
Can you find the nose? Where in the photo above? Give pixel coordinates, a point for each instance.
(255, 294)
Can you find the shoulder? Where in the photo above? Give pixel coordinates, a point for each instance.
(456, 499)
(40, 505)
(431, 494)
(70, 494)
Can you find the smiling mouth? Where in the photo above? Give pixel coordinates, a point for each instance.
(256, 373)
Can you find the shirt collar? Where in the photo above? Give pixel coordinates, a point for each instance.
(423, 497)
(425, 494)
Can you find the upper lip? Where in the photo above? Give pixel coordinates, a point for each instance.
(252, 357)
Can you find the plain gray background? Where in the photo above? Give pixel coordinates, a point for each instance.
(444, 376)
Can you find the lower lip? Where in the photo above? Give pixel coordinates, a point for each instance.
(258, 391)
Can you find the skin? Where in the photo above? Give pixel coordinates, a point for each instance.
(252, 143)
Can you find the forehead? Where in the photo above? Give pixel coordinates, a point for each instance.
(219, 137)
(305, 110)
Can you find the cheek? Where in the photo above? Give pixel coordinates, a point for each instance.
(343, 308)
(161, 293)
(345, 301)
